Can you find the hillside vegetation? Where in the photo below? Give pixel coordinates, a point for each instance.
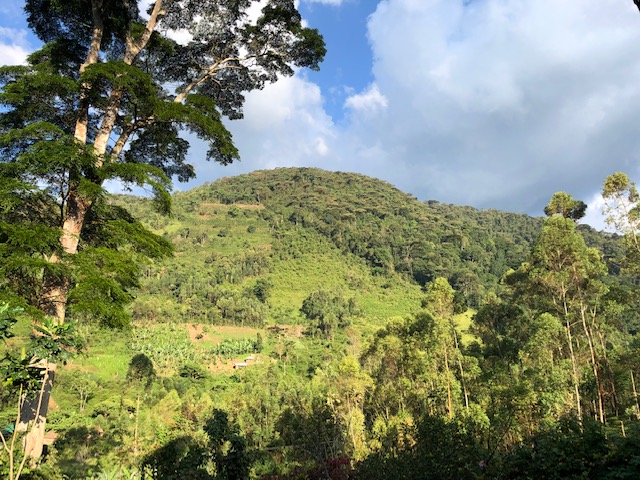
(301, 229)
(312, 324)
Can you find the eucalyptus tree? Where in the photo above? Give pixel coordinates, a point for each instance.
(410, 363)
(564, 277)
(622, 210)
(440, 301)
(106, 98)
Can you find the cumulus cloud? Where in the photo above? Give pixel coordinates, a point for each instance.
(369, 101)
(14, 47)
(284, 125)
(499, 103)
(594, 215)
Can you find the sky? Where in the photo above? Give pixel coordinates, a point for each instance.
(489, 103)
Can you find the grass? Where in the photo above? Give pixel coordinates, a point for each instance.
(105, 365)
(463, 322)
(323, 266)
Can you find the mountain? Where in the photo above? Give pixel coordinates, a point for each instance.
(293, 231)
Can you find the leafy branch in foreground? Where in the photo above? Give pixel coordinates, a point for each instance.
(27, 376)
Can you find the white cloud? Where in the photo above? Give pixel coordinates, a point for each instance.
(369, 101)
(14, 47)
(503, 102)
(594, 215)
(285, 125)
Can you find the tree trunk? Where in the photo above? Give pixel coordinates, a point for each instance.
(33, 414)
(449, 399)
(594, 364)
(609, 376)
(92, 57)
(635, 394)
(574, 369)
(464, 383)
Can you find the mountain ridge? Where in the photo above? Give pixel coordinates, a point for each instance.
(307, 229)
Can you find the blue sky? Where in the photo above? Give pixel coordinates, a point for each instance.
(489, 103)
(347, 65)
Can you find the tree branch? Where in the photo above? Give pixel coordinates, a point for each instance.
(135, 47)
(212, 70)
(92, 57)
(127, 131)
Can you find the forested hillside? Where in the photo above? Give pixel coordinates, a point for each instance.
(288, 232)
(312, 324)
(391, 231)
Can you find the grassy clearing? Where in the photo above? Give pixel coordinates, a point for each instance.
(463, 322)
(323, 266)
(103, 365)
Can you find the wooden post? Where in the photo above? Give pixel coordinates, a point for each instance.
(34, 413)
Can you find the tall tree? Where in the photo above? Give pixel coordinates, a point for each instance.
(563, 277)
(622, 210)
(106, 99)
(440, 301)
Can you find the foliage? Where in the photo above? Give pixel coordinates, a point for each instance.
(568, 450)
(141, 370)
(186, 456)
(231, 348)
(24, 378)
(328, 312)
(442, 450)
(565, 205)
(622, 212)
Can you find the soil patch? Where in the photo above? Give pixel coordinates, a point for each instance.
(229, 367)
(290, 331)
(197, 333)
(247, 206)
(217, 333)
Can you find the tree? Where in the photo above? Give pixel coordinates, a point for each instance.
(83, 385)
(106, 99)
(523, 382)
(262, 289)
(222, 454)
(328, 311)
(348, 385)
(563, 277)
(565, 205)
(140, 375)
(622, 210)
(440, 301)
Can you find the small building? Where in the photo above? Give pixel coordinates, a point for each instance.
(240, 365)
